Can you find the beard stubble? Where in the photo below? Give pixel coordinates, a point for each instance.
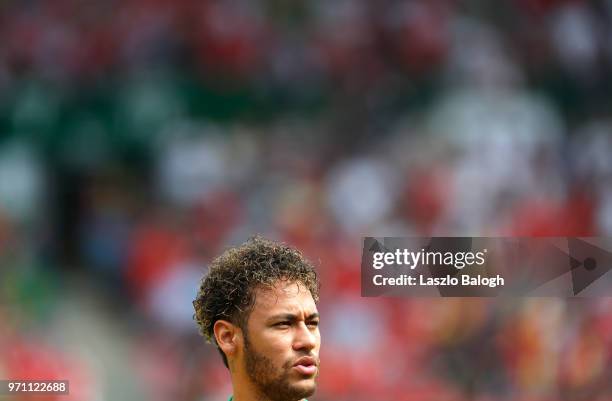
(274, 384)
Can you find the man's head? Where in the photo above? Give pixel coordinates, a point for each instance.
(258, 305)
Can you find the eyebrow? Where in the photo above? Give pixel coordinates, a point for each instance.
(291, 317)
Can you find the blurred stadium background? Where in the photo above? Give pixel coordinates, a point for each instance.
(139, 138)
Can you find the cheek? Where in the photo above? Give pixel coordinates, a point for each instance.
(280, 350)
(277, 343)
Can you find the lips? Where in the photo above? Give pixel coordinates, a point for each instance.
(306, 365)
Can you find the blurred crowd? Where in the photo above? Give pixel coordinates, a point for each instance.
(138, 139)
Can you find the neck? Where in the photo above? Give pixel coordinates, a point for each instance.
(245, 389)
(243, 394)
(251, 397)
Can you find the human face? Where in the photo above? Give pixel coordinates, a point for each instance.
(282, 340)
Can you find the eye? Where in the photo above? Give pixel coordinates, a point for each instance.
(313, 323)
(283, 324)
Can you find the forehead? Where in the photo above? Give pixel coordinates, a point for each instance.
(283, 297)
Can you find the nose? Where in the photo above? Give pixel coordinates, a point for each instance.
(305, 338)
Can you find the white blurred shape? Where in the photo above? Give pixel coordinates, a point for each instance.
(21, 181)
(574, 36)
(361, 192)
(171, 300)
(592, 147)
(604, 213)
(478, 57)
(353, 324)
(191, 165)
(498, 133)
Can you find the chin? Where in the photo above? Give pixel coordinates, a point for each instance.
(305, 387)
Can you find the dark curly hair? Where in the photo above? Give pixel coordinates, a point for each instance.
(228, 290)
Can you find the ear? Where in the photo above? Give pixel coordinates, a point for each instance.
(228, 337)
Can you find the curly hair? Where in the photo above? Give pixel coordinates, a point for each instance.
(228, 290)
